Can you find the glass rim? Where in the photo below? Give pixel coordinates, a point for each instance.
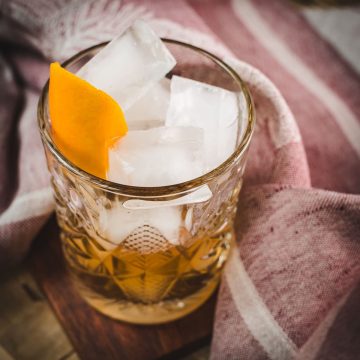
(151, 191)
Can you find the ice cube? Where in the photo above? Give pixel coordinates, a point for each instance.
(118, 223)
(129, 65)
(211, 108)
(199, 195)
(150, 110)
(157, 157)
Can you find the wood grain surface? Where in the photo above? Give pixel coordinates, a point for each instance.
(28, 328)
(93, 335)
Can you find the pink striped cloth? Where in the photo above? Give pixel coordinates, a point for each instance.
(291, 287)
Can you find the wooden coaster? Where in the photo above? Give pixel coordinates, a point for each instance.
(93, 335)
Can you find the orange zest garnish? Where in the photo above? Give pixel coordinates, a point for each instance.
(84, 120)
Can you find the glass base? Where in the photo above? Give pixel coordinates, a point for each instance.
(147, 288)
(162, 312)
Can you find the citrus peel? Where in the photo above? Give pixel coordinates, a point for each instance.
(84, 120)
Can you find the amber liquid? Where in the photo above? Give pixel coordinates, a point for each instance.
(150, 287)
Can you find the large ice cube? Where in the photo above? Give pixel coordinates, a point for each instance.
(118, 223)
(157, 157)
(150, 110)
(129, 65)
(211, 108)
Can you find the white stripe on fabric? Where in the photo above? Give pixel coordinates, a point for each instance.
(339, 27)
(313, 345)
(255, 313)
(344, 117)
(32, 204)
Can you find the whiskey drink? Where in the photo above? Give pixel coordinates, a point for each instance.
(147, 243)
